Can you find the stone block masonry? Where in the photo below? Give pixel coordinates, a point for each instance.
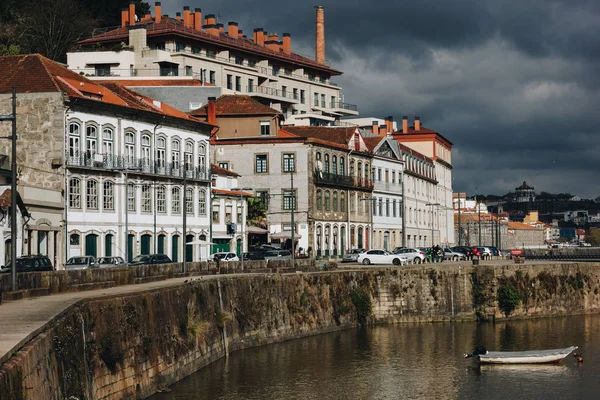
(129, 346)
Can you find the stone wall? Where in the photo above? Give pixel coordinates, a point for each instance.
(130, 346)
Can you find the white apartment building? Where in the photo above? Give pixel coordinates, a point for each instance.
(263, 66)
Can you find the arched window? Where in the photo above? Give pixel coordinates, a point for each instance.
(342, 201)
(108, 202)
(327, 200)
(334, 169)
(92, 195)
(74, 193)
(351, 172)
(335, 201)
(319, 239)
(188, 157)
(342, 166)
(189, 201)
(367, 171)
(91, 140)
(131, 197)
(202, 157)
(202, 202)
(175, 153)
(74, 139)
(146, 149)
(161, 148)
(352, 202)
(326, 166)
(176, 200)
(146, 198)
(129, 147)
(318, 157)
(319, 199)
(161, 199)
(359, 171)
(108, 141)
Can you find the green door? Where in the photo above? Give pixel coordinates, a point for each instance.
(108, 245)
(161, 244)
(189, 249)
(239, 247)
(145, 244)
(130, 247)
(342, 240)
(175, 250)
(220, 245)
(91, 245)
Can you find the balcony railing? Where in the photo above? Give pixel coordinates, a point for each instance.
(344, 106)
(328, 178)
(271, 92)
(141, 165)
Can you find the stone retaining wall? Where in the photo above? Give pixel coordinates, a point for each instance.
(130, 346)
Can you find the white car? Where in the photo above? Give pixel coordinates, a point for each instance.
(224, 256)
(381, 257)
(413, 255)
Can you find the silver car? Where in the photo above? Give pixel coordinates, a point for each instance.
(278, 255)
(450, 254)
(80, 262)
(109, 262)
(352, 255)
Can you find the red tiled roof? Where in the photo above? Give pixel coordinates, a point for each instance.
(34, 73)
(169, 26)
(398, 135)
(232, 192)
(519, 225)
(155, 82)
(235, 104)
(215, 169)
(372, 141)
(5, 200)
(337, 135)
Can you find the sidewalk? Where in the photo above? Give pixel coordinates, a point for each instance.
(22, 320)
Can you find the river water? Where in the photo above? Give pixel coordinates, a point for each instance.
(409, 361)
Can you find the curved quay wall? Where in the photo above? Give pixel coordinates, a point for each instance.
(131, 346)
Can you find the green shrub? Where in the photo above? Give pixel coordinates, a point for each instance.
(508, 298)
(362, 301)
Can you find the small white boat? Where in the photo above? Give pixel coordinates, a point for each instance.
(521, 357)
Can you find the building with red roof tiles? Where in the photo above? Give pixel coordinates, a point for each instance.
(80, 141)
(197, 47)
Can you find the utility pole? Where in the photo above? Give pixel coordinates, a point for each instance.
(478, 219)
(184, 255)
(459, 223)
(293, 207)
(403, 217)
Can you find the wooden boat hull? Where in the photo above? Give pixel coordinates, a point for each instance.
(526, 357)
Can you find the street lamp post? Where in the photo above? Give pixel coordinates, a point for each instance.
(241, 190)
(125, 171)
(432, 235)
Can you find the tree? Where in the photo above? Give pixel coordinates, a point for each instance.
(257, 212)
(594, 237)
(9, 50)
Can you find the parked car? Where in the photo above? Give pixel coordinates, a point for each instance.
(146, 259)
(495, 251)
(484, 252)
(450, 254)
(109, 262)
(80, 262)
(278, 255)
(380, 256)
(352, 255)
(413, 255)
(30, 264)
(254, 255)
(224, 256)
(467, 251)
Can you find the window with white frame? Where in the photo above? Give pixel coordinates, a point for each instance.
(260, 164)
(161, 148)
(188, 156)
(161, 199)
(288, 162)
(146, 198)
(146, 149)
(108, 141)
(265, 128)
(289, 199)
(108, 199)
(74, 193)
(216, 213)
(202, 202)
(175, 153)
(131, 197)
(176, 200)
(92, 195)
(202, 156)
(342, 166)
(228, 212)
(91, 140)
(74, 139)
(129, 147)
(189, 201)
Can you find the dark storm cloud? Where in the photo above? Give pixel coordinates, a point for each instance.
(513, 84)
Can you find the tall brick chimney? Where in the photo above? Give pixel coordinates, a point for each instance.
(221, 27)
(287, 43)
(131, 12)
(186, 17)
(211, 111)
(178, 16)
(124, 17)
(210, 19)
(320, 36)
(240, 34)
(417, 124)
(375, 127)
(390, 124)
(198, 19)
(383, 130)
(405, 124)
(259, 36)
(157, 12)
(232, 29)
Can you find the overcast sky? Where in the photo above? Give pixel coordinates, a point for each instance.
(513, 84)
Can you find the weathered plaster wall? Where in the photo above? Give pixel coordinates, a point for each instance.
(127, 347)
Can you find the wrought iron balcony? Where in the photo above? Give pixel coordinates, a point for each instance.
(327, 178)
(133, 164)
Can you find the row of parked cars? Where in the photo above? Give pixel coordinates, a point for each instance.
(265, 252)
(413, 255)
(41, 263)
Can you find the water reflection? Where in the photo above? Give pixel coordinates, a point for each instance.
(420, 361)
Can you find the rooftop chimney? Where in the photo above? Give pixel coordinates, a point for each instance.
(124, 17)
(240, 33)
(198, 19)
(287, 43)
(211, 111)
(210, 19)
(131, 12)
(272, 42)
(157, 11)
(186, 17)
(233, 30)
(221, 27)
(320, 36)
(178, 16)
(383, 130)
(417, 124)
(259, 36)
(375, 127)
(405, 124)
(390, 124)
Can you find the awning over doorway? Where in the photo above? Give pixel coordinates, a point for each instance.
(256, 230)
(285, 235)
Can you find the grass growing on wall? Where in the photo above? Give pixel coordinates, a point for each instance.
(362, 301)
